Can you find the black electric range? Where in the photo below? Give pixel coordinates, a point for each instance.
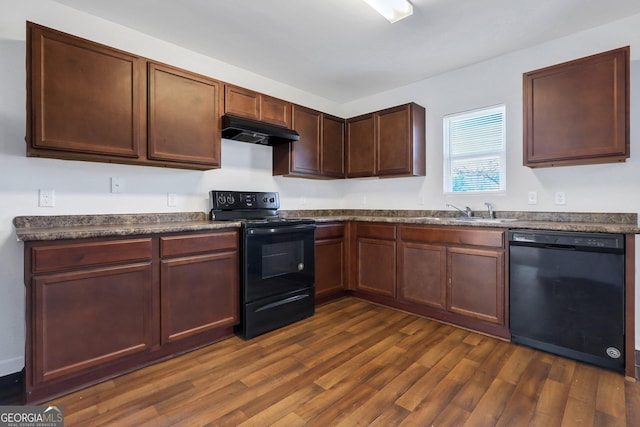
(278, 260)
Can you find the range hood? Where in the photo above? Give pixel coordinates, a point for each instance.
(256, 132)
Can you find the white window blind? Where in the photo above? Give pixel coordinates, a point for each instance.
(474, 151)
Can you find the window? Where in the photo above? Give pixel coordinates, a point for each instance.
(474, 151)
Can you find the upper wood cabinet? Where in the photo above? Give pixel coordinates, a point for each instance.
(319, 152)
(184, 116)
(82, 98)
(361, 152)
(253, 105)
(87, 101)
(390, 142)
(578, 112)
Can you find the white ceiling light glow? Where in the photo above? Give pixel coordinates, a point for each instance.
(393, 10)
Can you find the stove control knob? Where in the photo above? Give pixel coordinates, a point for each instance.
(221, 199)
(264, 200)
(272, 200)
(230, 199)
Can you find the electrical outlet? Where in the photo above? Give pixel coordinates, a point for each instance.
(46, 198)
(171, 199)
(560, 198)
(117, 185)
(532, 198)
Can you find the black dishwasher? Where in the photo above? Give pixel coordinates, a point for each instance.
(566, 294)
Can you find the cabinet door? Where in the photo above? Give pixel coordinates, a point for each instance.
(241, 102)
(361, 154)
(393, 130)
(578, 112)
(276, 111)
(184, 117)
(306, 151)
(422, 274)
(476, 284)
(332, 146)
(376, 258)
(86, 319)
(199, 293)
(330, 256)
(83, 98)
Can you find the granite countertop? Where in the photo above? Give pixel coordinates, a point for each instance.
(35, 228)
(621, 223)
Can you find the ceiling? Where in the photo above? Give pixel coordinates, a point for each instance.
(343, 50)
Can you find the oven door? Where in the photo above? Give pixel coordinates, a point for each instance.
(278, 259)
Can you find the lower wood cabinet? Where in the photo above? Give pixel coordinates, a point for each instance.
(456, 274)
(452, 274)
(422, 274)
(330, 260)
(375, 258)
(98, 307)
(476, 283)
(195, 277)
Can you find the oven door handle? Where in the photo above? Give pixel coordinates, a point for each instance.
(279, 230)
(283, 302)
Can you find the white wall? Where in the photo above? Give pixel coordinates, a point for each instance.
(83, 188)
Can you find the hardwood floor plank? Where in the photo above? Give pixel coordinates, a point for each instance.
(632, 400)
(489, 409)
(521, 406)
(578, 413)
(357, 363)
(549, 410)
(610, 398)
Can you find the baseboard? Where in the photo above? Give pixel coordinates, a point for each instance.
(12, 389)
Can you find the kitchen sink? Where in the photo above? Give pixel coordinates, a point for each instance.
(481, 219)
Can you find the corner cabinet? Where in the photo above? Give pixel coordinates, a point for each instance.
(87, 101)
(387, 143)
(96, 308)
(319, 153)
(578, 112)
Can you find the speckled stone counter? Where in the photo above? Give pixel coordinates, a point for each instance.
(621, 223)
(34, 228)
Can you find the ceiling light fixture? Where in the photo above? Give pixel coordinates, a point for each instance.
(393, 10)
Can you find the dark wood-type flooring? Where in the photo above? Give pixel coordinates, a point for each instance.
(355, 363)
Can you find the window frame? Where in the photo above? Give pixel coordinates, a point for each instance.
(499, 152)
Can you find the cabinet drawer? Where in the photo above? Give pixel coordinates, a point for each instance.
(455, 236)
(55, 257)
(197, 243)
(377, 231)
(329, 231)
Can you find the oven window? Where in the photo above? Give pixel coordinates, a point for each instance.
(282, 258)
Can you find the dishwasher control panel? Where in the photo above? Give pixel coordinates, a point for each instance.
(567, 239)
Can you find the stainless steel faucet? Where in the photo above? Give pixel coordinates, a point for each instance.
(466, 212)
(489, 206)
